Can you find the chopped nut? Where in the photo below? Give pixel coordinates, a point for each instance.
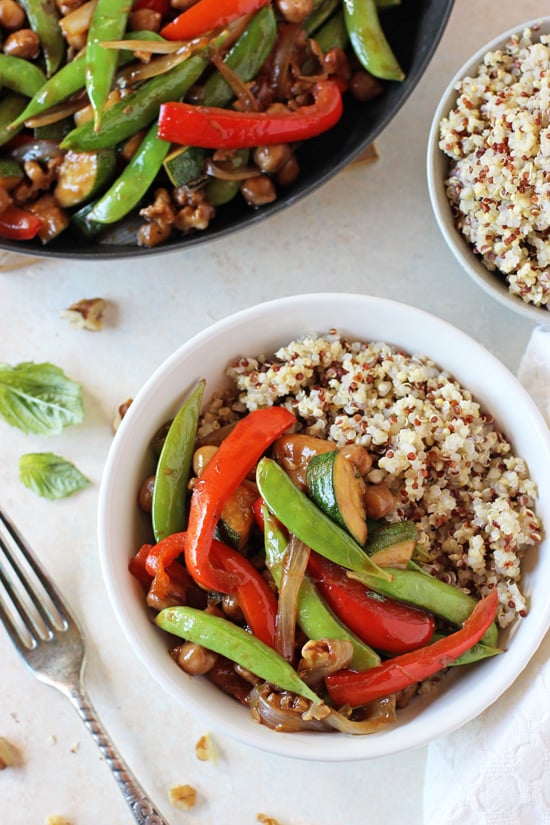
(267, 820)
(121, 411)
(9, 755)
(54, 819)
(204, 749)
(86, 314)
(183, 797)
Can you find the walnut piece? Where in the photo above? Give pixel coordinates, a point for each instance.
(267, 820)
(121, 411)
(183, 797)
(55, 819)
(86, 314)
(204, 749)
(9, 755)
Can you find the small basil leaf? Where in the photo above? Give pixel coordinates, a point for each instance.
(39, 398)
(50, 476)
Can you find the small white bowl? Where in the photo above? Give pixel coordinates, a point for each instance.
(437, 166)
(262, 329)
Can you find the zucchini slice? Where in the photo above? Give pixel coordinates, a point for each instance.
(391, 544)
(336, 486)
(185, 165)
(237, 518)
(83, 175)
(11, 173)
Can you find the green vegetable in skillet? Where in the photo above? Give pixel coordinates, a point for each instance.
(108, 23)
(172, 474)
(369, 41)
(44, 21)
(11, 105)
(20, 75)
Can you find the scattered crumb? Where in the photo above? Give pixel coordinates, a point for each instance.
(121, 411)
(183, 797)
(75, 748)
(9, 755)
(267, 820)
(53, 739)
(54, 819)
(370, 155)
(204, 749)
(86, 314)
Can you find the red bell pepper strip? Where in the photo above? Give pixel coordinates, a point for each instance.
(355, 688)
(137, 566)
(256, 600)
(18, 224)
(387, 625)
(236, 456)
(206, 15)
(213, 128)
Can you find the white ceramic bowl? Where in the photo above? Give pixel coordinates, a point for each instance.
(437, 166)
(262, 329)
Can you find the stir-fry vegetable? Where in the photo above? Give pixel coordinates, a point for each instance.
(320, 629)
(242, 83)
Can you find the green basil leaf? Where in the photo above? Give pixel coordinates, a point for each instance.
(39, 398)
(50, 476)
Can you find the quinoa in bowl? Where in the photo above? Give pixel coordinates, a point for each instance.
(491, 131)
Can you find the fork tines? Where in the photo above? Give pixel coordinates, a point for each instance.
(30, 606)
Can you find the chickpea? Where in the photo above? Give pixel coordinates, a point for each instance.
(271, 159)
(145, 20)
(181, 5)
(232, 608)
(67, 6)
(358, 457)
(363, 86)
(22, 43)
(145, 494)
(202, 456)
(295, 11)
(259, 190)
(289, 172)
(194, 659)
(12, 16)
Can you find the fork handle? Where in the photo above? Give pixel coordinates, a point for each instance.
(141, 806)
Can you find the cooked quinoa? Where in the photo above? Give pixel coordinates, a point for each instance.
(449, 467)
(498, 139)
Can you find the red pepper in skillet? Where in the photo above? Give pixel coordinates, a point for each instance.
(354, 688)
(256, 600)
(236, 456)
(213, 128)
(385, 624)
(18, 224)
(207, 15)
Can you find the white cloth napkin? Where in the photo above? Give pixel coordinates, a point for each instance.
(496, 770)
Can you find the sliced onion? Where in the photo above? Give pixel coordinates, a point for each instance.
(143, 71)
(288, 34)
(36, 150)
(381, 712)
(238, 86)
(294, 568)
(55, 114)
(229, 172)
(270, 713)
(151, 46)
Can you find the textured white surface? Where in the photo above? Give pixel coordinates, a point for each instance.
(369, 230)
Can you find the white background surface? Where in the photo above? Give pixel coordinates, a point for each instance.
(369, 230)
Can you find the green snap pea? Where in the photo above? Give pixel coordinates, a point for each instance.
(314, 616)
(138, 110)
(320, 15)
(44, 21)
(474, 654)
(169, 511)
(369, 41)
(70, 79)
(245, 58)
(10, 106)
(333, 34)
(20, 75)
(220, 191)
(108, 23)
(426, 591)
(308, 523)
(136, 178)
(229, 640)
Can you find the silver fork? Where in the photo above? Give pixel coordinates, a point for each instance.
(48, 638)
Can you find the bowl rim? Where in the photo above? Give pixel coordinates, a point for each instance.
(435, 159)
(301, 746)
